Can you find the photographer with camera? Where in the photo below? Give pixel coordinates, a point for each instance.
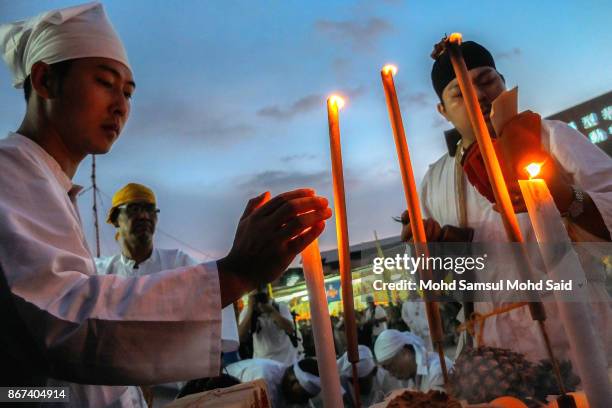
(270, 325)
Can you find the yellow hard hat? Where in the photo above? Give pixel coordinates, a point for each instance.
(131, 193)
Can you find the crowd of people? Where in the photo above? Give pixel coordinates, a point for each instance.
(110, 328)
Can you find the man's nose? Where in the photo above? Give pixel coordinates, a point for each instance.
(120, 106)
(481, 94)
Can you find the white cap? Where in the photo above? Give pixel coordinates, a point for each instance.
(59, 35)
(390, 342)
(364, 367)
(309, 382)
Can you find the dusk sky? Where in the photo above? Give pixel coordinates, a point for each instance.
(230, 98)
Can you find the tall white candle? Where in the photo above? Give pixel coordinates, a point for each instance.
(321, 327)
(553, 242)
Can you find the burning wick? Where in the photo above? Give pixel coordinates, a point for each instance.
(389, 68)
(455, 38)
(533, 169)
(338, 100)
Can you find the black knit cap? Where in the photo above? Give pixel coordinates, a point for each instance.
(474, 54)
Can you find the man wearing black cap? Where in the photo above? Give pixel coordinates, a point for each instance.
(580, 181)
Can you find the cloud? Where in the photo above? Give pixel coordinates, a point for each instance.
(183, 122)
(280, 180)
(298, 157)
(306, 104)
(360, 34)
(515, 52)
(302, 105)
(417, 99)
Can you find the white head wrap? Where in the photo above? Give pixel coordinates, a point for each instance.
(59, 35)
(390, 342)
(311, 383)
(364, 367)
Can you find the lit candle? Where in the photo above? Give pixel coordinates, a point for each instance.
(414, 208)
(553, 241)
(484, 139)
(321, 327)
(334, 104)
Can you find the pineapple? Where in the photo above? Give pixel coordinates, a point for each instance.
(483, 374)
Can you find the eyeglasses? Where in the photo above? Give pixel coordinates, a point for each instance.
(132, 209)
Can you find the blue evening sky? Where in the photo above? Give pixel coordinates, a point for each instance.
(231, 98)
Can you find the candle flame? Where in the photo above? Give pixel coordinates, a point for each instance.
(533, 169)
(389, 68)
(338, 100)
(455, 38)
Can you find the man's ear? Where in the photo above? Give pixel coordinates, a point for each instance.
(442, 110)
(42, 80)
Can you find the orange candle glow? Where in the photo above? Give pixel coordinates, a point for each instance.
(533, 169)
(414, 208)
(334, 104)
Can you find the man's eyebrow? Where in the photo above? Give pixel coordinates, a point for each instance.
(115, 73)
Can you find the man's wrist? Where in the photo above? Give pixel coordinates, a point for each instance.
(233, 285)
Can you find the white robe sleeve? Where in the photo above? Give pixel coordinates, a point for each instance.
(96, 328)
(589, 166)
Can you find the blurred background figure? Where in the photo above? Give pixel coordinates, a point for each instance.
(271, 327)
(374, 318)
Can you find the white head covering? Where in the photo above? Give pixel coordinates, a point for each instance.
(364, 367)
(59, 35)
(390, 342)
(311, 383)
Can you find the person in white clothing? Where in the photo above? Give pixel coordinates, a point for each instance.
(134, 213)
(372, 379)
(404, 355)
(62, 319)
(270, 325)
(578, 174)
(415, 317)
(293, 385)
(375, 317)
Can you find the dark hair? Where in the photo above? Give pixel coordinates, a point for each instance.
(207, 384)
(59, 69)
(310, 366)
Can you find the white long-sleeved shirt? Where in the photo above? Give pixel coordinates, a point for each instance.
(165, 259)
(587, 167)
(120, 265)
(72, 324)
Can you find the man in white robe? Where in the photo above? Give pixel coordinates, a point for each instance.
(62, 320)
(134, 213)
(404, 355)
(582, 180)
(374, 381)
(292, 385)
